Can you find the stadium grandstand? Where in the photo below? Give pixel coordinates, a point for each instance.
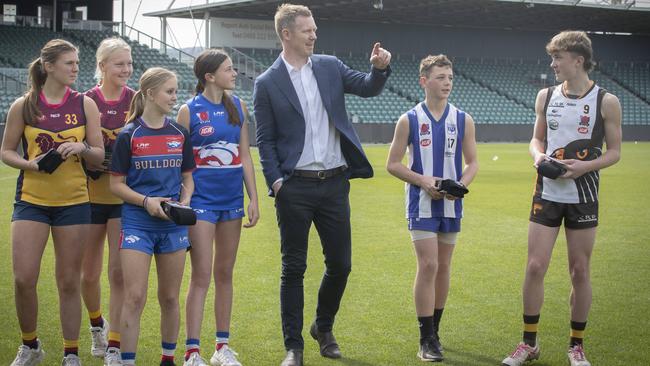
(497, 48)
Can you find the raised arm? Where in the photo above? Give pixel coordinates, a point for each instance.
(367, 84)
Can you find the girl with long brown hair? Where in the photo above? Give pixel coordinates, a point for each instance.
(218, 128)
(58, 127)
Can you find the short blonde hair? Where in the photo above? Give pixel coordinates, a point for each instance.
(285, 16)
(576, 42)
(428, 63)
(105, 50)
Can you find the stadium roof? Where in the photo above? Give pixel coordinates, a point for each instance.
(611, 16)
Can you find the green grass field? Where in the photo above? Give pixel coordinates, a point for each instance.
(376, 324)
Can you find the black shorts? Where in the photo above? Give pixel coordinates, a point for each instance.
(52, 215)
(575, 215)
(100, 213)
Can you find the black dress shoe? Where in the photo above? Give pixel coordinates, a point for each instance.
(293, 358)
(328, 346)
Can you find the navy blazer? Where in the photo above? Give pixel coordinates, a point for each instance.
(281, 124)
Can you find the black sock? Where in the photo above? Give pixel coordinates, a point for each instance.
(33, 344)
(426, 327)
(530, 329)
(577, 333)
(437, 315)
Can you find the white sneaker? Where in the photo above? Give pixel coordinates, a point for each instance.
(71, 360)
(522, 353)
(99, 336)
(195, 360)
(29, 356)
(112, 357)
(226, 356)
(577, 356)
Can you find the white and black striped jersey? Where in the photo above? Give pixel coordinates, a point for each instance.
(574, 130)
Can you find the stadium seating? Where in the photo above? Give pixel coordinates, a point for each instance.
(492, 91)
(633, 76)
(13, 39)
(635, 110)
(5, 101)
(520, 81)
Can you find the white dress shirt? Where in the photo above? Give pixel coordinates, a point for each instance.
(322, 148)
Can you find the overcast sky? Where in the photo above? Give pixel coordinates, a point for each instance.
(182, 29)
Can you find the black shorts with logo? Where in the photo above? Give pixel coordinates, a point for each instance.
(575, 215)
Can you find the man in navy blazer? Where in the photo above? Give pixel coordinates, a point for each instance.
(309, 151)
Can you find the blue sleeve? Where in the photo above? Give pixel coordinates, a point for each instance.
(363, 84)
(266, 133)
(188, 153)
(121, 157)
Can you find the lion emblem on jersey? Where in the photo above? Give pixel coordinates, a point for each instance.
(109, 137)
(46, 142)
(218, 154)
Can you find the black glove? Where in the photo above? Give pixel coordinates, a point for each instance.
(179, 214)
(453, 188)
(93, 174)
(96, 174)
(50, 161)
(550, 169)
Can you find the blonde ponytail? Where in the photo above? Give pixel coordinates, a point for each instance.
(151, 79)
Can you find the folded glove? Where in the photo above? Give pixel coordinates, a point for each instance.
(93, 174)
(96, 174)
(50, 161)
(453, 188)
(551, 169)
(180, 214)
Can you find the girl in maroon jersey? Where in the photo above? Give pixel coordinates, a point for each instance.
(113, 97)
(56, 125)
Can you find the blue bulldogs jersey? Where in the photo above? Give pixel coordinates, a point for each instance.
(219, 176)
(152, 161)
(435, 150)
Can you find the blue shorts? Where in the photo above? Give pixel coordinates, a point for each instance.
(152, 242)
(100, 213)
(52, 215)
(214, 216)
(435, 224)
